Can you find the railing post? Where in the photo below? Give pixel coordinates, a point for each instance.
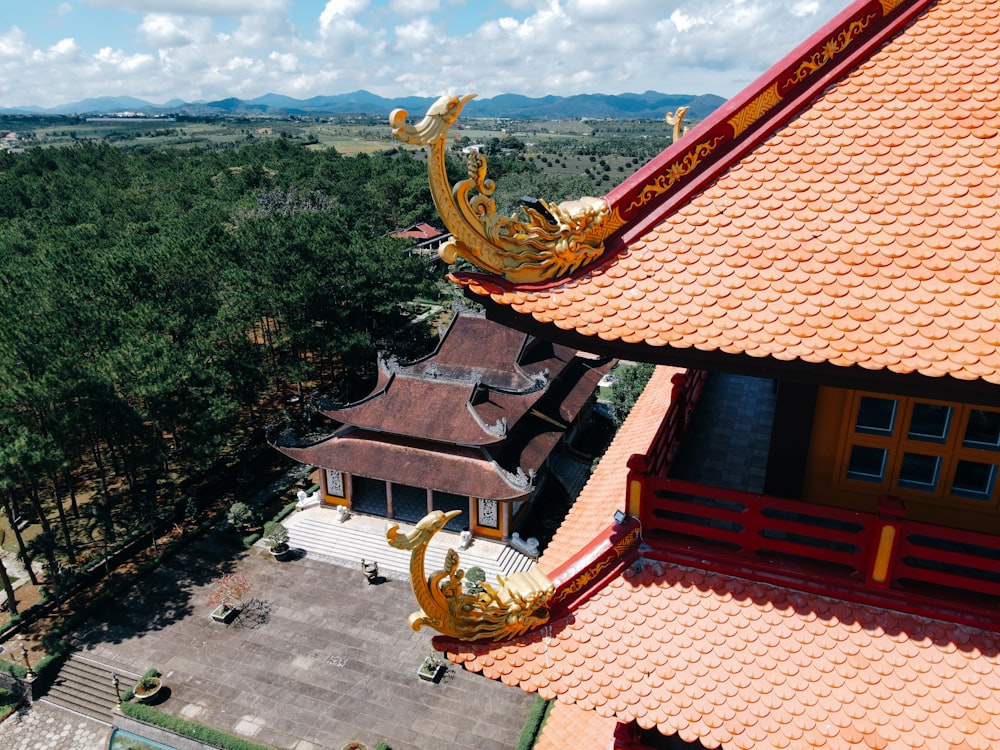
(638, 470)
(890, 516)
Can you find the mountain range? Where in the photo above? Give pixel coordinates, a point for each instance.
(650, 104)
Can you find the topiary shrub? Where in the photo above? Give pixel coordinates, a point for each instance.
(241, 515)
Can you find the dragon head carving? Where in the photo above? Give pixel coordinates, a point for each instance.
(520, 603)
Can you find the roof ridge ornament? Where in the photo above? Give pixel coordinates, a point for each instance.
(551, 241)
(676, 119)
(520, 604)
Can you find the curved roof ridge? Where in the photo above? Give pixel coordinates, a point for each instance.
(728, 133)
(856, 240)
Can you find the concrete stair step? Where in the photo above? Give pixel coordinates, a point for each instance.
(348, 544)
(85, 687)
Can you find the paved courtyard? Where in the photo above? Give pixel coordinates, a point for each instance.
(317, 658)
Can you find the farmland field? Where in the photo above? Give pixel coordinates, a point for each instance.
(601, 151)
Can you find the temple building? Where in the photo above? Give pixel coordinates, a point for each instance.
(470, 427)
(794, 539)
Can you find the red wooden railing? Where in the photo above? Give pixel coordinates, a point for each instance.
(955, 562)
(875, 558)
(685, 390)
(747, 530)
(869, 558)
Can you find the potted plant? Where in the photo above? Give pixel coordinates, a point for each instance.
(277, 540)
(148, 687)
(430, 669)
(355, 745)
(473, 582)
(229, 589)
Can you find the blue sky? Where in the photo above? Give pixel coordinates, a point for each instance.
(54, 52)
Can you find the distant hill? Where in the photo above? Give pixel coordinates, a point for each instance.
(650, 104)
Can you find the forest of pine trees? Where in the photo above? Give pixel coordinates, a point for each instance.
(153, 304)
(157, 308)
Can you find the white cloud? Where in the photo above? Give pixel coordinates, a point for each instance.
(212, 49)
(64, 49)
(162, 30)
(417, 36)
(682, 22)
(413, 7)
(805, 8)
(611, 10)
(193, 7)
(287, 62)
(124, 64)
(14, 44)
(339, 10)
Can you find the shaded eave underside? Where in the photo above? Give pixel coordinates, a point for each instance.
(791, 370)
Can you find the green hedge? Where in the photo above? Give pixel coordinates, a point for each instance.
(13, 669)
(213, 737)
(284, 512)
(251, 539)
(534, 723)
(9, 701)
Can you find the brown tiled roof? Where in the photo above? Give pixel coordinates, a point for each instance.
(479, 366)
(750, 666)
(433, 410)
(502, 356)
(462, 471)
(859, 231)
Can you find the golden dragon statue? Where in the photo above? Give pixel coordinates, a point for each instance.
(549, 241)
(520, 604)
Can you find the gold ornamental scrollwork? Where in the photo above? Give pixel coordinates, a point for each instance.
(677, 171)
(546, 242)
(520, 603)
(830, 50)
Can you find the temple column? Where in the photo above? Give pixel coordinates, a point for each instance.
(388, 500)
(472, 513)
(505, 520)
(430, 499)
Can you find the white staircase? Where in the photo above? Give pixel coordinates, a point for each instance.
(320, 535)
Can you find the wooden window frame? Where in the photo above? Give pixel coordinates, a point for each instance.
(950, 452)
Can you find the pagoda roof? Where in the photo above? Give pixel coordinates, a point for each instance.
(838, 219)
(458, 470)
(737, 664)
(479, 383)
(418, 232)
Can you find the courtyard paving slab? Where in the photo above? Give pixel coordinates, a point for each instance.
(317, 657)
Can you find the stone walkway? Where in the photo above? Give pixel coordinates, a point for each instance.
(317, 658)
(45, 727)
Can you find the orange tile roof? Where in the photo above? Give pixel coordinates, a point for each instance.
(567, 726)
(604, 492)
(861, 231)
(750, 666)
(738, 664)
